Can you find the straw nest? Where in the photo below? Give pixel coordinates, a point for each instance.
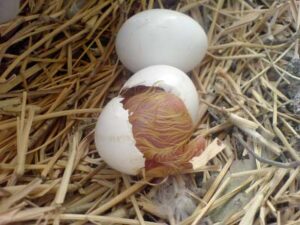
(59, 68)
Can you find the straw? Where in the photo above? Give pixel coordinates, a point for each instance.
(58, 70)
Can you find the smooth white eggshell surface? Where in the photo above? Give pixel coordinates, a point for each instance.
(171, 80)
(114, 139)
(161, 36)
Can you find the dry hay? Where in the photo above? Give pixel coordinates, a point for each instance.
(58, 70)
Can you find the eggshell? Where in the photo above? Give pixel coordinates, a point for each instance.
(9, 9)
(161, 36)
(171, 80)
(114, 139)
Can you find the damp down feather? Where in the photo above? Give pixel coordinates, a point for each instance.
(175, 197)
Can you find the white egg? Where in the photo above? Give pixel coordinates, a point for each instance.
(171, 80)
(161, 36)
(114, 139)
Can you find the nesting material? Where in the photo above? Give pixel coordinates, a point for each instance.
(58, 68)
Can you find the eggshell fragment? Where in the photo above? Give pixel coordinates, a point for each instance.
(171, 80)
(161, 36)
(114, 139)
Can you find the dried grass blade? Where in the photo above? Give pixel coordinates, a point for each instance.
(134, 202)
(210, 152)
(250, 213)
(17, 215)
(63, 188)
(23, 143)
(103, 219)
(6, 203)
(120, 197)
